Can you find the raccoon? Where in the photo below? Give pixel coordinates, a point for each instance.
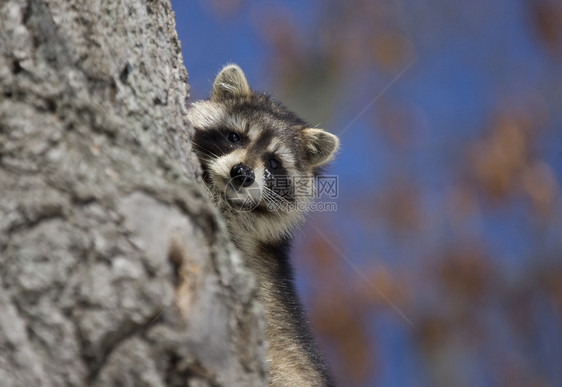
(253, 151)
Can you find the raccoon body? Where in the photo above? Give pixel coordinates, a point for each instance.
(253, 152)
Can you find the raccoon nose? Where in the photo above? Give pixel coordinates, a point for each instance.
(242, 176)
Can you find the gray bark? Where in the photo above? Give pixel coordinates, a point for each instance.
(114, 267)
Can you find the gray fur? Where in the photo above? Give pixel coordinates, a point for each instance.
(266, 131)
(231, 82)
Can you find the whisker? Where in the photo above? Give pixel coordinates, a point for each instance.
(274, 199)
(203, 149)
(276, 195)
(269, 198)
(206, 150)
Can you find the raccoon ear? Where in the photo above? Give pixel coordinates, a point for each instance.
(320, 145)
(231, 82)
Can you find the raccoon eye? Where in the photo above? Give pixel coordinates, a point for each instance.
(274, 163)
(233, 137)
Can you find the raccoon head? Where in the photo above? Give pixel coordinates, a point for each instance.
(256, 155)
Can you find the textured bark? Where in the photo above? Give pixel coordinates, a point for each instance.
(114, 267)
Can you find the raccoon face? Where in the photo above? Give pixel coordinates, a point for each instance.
(255, 154)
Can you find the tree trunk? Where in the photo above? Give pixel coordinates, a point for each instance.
(114, 267)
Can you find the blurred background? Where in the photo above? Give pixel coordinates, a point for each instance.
(442, 265)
